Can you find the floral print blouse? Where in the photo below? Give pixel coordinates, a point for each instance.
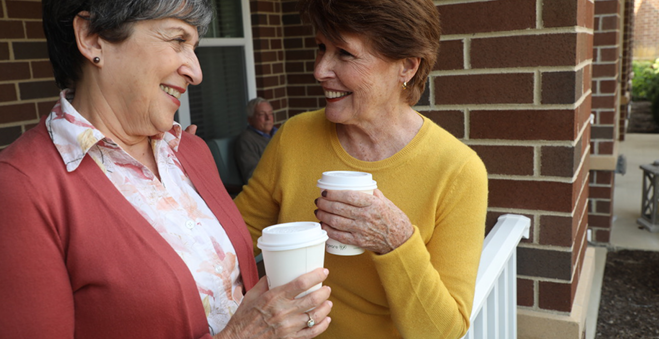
(171, 205)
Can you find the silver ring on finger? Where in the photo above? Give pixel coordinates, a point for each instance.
(310, 322)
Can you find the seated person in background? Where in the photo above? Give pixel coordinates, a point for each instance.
(252, 141)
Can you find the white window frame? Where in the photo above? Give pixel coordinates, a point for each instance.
(245, 42)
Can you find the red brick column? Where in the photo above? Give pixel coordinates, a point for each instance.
(610, 94)
(626, 69)
(518, 91)
(27, 85)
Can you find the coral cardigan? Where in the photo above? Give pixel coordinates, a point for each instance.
(78, 261)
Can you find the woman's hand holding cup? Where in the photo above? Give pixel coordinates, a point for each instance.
(371, 222)
(277, 313)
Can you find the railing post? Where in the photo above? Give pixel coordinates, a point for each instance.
(494, 312)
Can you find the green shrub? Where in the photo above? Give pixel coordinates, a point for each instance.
(645, 84)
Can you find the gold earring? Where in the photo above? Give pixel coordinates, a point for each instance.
(404, 84)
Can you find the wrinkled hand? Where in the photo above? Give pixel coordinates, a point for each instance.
(192, 129)
(371, 222)
(276, 313)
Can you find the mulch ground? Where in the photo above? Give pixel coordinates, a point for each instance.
(629, 305)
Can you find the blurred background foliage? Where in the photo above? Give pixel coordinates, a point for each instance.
(645, 84)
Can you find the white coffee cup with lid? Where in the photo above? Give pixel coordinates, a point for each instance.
(348, 181)
(290, 250)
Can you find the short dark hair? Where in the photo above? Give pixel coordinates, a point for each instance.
(113, 21)
(396, 29)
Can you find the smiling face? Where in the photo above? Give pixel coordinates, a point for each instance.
(143, 77)
(358, 84)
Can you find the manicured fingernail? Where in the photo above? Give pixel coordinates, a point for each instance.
(324, 194)
(315, 202)
(315, 212)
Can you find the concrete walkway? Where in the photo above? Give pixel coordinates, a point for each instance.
(638, 149)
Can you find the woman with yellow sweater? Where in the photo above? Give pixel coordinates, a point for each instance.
(423, 227)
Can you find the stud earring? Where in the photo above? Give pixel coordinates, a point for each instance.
(96, 60)
(404, 84)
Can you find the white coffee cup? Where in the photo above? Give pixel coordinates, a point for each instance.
(290, 250)
(349, 181)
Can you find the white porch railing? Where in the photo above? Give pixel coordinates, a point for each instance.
(494, 313)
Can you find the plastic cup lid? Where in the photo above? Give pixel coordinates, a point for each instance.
(292, 235)
(347, 180)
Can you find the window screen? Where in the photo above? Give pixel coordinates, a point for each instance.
(217, 105)
(228, 22)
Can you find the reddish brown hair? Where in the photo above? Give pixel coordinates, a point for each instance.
(396, 29)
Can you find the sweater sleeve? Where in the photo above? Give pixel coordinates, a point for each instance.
(36, 297)
(430, 286)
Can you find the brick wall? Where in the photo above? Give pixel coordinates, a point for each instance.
(269, 59)
(522, 93)
(27, 86)
(519, 92)
(303, 91)
(610, 87)
(646, 30)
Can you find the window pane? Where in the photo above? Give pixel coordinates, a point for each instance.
(228, 21)
(217, 105)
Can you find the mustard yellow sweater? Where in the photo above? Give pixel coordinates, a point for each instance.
(424, 288)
